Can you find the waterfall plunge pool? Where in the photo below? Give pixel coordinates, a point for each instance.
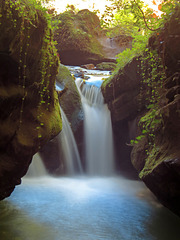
(81, 208)
(86, 208)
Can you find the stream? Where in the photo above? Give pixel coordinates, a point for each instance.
(98, 205)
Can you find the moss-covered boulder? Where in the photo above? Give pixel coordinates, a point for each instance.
(76, 38)
(81, 40)
(29, 106)
(109, 66)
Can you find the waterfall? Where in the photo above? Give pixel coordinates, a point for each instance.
(68, 146)
(36, 168)
(97, 129)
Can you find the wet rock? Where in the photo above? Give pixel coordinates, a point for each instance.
(163, 181)
(89, 66)
(78, 74)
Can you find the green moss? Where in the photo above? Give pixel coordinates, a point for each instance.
(78, 31)
(157, 155)
(106, 66)
(64, 75)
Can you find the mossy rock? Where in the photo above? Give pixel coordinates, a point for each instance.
(76, 38)
(29, 106)
(70, 99)
(109, 66)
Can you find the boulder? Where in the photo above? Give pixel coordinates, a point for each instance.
(89, 66)
(29, 106)
(76, 38)
(107, 66)
(70, 100)
(81, 40)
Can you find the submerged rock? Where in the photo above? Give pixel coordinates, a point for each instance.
(29, 106)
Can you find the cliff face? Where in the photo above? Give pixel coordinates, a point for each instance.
(29, 107)
(156, 154)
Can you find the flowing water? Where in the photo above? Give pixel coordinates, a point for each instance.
(86, 208)
(99, 156)
(36, 168)
(68, 147)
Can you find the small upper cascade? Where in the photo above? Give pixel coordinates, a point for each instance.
(90, 93)
(68, 146)
(36, 168)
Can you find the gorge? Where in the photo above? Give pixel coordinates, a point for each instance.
(104, 138)
(96, 204)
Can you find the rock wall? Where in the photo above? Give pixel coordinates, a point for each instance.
(29, 106)
(122, 94)
(156, 156)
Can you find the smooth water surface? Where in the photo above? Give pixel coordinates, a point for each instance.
(85, 209)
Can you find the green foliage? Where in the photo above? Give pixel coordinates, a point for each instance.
(153, 75)
(134, 18)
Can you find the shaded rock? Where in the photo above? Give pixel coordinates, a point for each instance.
(29, 106)
(51, 156)
(126, 101)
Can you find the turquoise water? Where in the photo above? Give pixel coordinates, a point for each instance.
(85, 209)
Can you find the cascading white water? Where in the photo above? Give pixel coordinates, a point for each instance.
(36, 168)
(98, 131)
(69, 148)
